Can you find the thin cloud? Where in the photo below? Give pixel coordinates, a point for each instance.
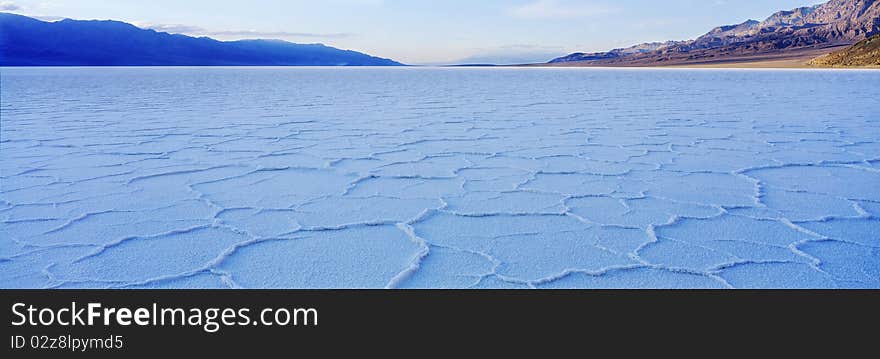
(200, 31)
(174, 28)
(48, 18)
(247, 33)
(529, 47)
(561, 9)
(9, 6)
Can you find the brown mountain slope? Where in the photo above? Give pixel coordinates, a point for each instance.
(863, 53)
(786, 34)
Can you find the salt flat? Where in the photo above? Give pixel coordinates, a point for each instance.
(439, 178)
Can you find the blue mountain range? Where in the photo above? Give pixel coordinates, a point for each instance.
(26, 41)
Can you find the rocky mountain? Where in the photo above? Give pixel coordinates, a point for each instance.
(25, 41)
(796, 17)
(618, 53)
(835, 23)
(863, 53)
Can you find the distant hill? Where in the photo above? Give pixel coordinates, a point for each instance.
(863, 53)
(806, 30)
(25, 41)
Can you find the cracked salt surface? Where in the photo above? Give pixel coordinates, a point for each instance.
(439, 178)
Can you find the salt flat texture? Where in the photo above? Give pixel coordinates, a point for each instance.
(439, 178)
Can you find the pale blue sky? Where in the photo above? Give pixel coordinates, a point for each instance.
(422, 32)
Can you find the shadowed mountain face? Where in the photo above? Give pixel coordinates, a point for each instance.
(29, 42)
(863, 53)
(835, 23)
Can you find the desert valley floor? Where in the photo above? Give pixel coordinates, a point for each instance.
(439, 178)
